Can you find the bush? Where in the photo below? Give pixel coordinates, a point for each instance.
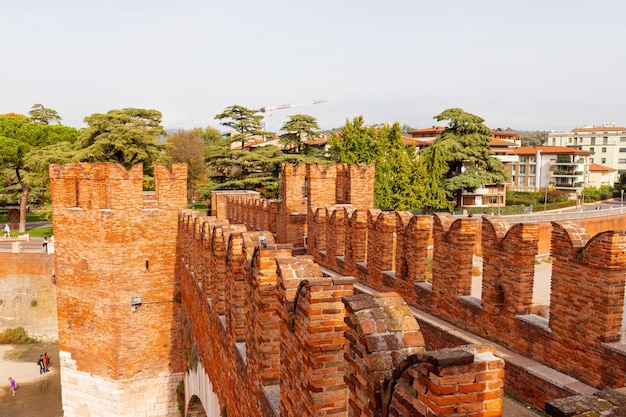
(16, 336)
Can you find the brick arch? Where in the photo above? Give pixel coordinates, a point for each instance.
(195, 408)
(466, 380)
(381, 333)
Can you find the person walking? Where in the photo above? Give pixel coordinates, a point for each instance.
(42, 366)
(46, 361)
(7, 230)
(12, 385)
(45, 244)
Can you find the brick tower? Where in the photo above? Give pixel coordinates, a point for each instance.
(118, 301)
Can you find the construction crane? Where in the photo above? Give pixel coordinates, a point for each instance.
(268, 109)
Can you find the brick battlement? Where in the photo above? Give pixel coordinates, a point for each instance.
(287, 339)
(587, 290)
(117, 299)
(267, 297)
(582, 337)
(111, 186)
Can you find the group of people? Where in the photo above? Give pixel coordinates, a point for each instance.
(44, 363)
(44, 366)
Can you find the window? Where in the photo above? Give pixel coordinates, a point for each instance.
(622, 149)
(520, 181)
(593, 141)
(603, 161)
(622, 139)
(522, 169)
(605, 140)
(621, 161)
(592, 149)
(522, 159)
(554, 141)
(591, 160)
(532, 159)
(570, 140)
(532, 170)
(603, 150)
(531, 181)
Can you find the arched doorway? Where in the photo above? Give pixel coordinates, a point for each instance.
(195, 408)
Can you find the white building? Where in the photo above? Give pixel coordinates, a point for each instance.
(600, 175)
(606, 141)
(556, 167)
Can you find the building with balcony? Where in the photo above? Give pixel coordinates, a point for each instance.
(556, 167)
(607, 142)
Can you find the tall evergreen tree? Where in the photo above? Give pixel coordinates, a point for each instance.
(465, 146)
(247, 123)
(354, 143)
(397, 184)
(128, 136)
(20, 138)
(300, 129)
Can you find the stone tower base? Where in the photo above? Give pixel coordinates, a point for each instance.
(87, 395)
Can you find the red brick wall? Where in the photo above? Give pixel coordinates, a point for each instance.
(460, 381)
(590, 294)
(389, 251)
(26, 264)
(382, 332)
(112, 246)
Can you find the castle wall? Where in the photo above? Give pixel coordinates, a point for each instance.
(281, 342)
(114, 243)
(587, 285)
(28, 294)
(247, 306)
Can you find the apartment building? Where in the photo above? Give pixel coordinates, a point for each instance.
(539, 167)
(607, 142)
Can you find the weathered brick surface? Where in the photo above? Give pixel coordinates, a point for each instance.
(466, 380)
(586, 311)
(381, 333)
(245, 307)
(114, 243)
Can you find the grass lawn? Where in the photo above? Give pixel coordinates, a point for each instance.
(39, 231)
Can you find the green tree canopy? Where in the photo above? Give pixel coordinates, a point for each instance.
(188, 147)
(42, 115)
(20, 139)
(300, 129)
(533, 138)
(397, 184)
(247, 123)
(464, 146)
(127, 136)
(354, 143)
(209, 134)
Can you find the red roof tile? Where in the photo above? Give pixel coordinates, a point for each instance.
(550, 150)
(598, 167)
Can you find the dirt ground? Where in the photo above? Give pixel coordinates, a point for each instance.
(36, 395)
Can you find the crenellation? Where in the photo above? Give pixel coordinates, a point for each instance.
(256, 317)
(110, 251)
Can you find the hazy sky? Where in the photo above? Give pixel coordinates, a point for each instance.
(545, 65)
